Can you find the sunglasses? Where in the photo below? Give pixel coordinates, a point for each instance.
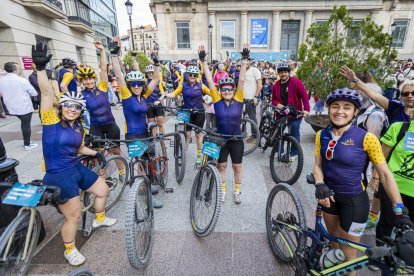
(72, 106)
(150, 73)
(193, 75)
(406, 94)
(227, 90)
(136, 83)
(330, 149)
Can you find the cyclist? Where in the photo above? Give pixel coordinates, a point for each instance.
(66, 80)
(134, 94)
(342, 152)
(193, 91)
(62, 142)
(228, 106)
(155, 112)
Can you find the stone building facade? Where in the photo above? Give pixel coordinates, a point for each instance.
(149, 37)
(184, 25)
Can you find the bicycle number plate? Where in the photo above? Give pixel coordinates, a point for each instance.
(211, 149)
(136, 149)
(24, 195)
(183, 116)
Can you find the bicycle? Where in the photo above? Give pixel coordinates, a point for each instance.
(276, 133)
(20, 239)
(306, 249)
(250, 132)
(206, 193)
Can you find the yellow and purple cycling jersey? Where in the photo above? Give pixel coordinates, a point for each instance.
(97, 103)
(67, 77)
(192, 94)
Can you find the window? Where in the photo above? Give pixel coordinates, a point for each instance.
(79, 54)
(228, 34)
(147, 45)
(183, 35)
(399, 33)
(146, 35)
(353, 35)
(320, 21)
(135, 36)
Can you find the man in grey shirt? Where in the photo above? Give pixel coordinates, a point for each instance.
(252, 88)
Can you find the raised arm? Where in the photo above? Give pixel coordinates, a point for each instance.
(202, 56)
(135, 64)
(103, 75)
(155, 79)
(114, 50)
(40, 59)
(245, 60)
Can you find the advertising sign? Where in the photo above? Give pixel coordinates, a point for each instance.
(258, 32)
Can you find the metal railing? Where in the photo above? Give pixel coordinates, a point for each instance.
(77, 10)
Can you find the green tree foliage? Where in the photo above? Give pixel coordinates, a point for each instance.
(142, 59)
(363, 46)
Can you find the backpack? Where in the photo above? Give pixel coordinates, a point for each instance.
(400, 136)
(386, 123)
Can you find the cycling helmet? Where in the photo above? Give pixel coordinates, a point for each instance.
(149, 68)
(283, 66)
(345, 94)
(193, 70)
(74, 97)
(226, 81)
(84, 73)
(135, 76)
(68, 62)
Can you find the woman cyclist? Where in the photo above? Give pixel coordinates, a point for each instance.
(155, 112)
(228, 106)
(193, 91)
(342, 153)
(62, 142)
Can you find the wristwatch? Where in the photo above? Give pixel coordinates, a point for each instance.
(355, 81)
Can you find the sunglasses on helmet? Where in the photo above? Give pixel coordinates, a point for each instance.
(136, 83)
(72, 106)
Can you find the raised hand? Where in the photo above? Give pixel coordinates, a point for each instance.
(98, 45)
(39, 56)
(202, 53)
(114, 48)
(246, 51)
(348, 73)
(155, 59)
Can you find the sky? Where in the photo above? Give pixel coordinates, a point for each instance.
(141, 14)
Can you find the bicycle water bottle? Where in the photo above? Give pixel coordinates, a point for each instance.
(331, 258)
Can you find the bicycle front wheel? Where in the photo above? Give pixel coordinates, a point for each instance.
(285, 167)
(285, 219)
(205, 201)
(179, 156)
(139, 225)
(14, 261)
(251, 135)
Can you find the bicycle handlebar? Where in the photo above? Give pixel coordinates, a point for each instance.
(216, 134)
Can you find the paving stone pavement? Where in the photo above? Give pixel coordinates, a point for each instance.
(238, 246)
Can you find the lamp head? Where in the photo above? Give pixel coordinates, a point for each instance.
(393, 26)
(128, 5)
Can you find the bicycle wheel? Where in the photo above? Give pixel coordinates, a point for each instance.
(179, 156)
(13, 262)
(284, 208)
(284, 167)
(251, 134)
(205, 201)
(265, 130)
(139, 225)
(161, 164)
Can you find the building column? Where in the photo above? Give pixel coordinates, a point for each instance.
(276, 31)
(308, 22)
(212, 21)
(243, 29)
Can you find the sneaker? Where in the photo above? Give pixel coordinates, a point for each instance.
(198, 161)
(75, 258)
(156, 203)
(251, 139)
(29, 147)
(371, 223)
(291, 157)
(237, 198)
(106, 222)
(223, 196)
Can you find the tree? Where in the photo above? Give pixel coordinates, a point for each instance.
(143, 61)
(362, 46)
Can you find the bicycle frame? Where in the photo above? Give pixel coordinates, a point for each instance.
(205, 160)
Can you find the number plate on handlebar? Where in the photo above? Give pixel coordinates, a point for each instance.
(183, 116)
(211, 149)
(136, 149)
(24, 195)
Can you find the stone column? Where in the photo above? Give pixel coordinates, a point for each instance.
(243, 29)
(212, 21)
(308, 22)
(276, 31)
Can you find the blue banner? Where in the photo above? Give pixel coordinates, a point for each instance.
(258, 32)
(136, 149)
(270, 56)
(24, 195)
(211, 149)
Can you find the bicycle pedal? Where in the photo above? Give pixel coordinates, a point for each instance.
(87, 232)
(169, 190)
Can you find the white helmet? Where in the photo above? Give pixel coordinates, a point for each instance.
(149, 68)
(193, 70)
(135, 76)
(74, 97)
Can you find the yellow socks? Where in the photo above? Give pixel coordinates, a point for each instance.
(223, 187)
(237, 188)
(100, 216)
(198, 153)
(121, 171)
(69, 246)
(373, 216)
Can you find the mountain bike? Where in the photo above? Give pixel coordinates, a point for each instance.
(275, 133)
(250, 132)
(308, 250)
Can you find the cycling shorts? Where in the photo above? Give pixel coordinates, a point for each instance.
(155, 111)
(353, 212)
(233, 148)
(71, 180)
(110, 131)
(197, 119)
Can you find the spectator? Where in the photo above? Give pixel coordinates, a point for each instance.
(252, 88)
(408, 73)
(33, 82)
(221, 74)
(16, 92)
(67, 80)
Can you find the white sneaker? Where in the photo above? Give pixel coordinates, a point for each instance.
(106, 222)
(75, 258)
(237, 198)
(29, 147)
(223, 196)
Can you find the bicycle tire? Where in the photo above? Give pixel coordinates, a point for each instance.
(275, 165)
(253, 129)
(139, 215)
(275, 230)
(161, 161)
(81, 272)
(179, 156)
(115, 183)
(212, 172)
(12, 266)
(264, 128)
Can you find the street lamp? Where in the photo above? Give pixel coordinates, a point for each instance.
(393, 26)
(128, 5)
(210, 30)
(150, 37)
(143, 40)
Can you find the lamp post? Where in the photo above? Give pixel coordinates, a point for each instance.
(150, 37)
(128, 5)
(143, 40)
(210, 30)
(393, 26)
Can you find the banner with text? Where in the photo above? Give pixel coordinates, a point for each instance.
(258, 32)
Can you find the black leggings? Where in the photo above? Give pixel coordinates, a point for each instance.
(25, 125)
(387, 217)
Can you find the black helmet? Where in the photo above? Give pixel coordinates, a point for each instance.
(68, 62)
(283, 66)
